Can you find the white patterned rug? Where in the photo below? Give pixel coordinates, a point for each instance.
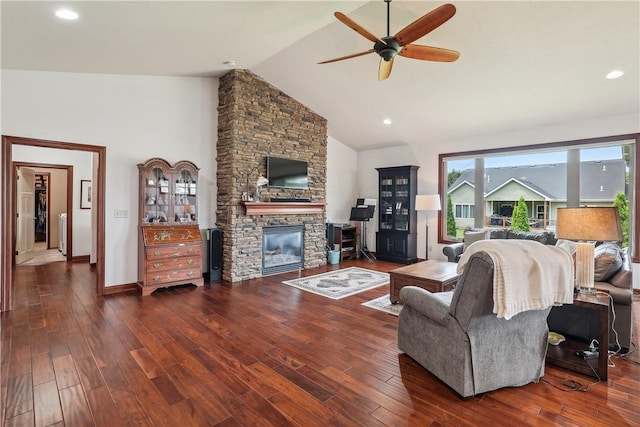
(384, 304)
(340, 283)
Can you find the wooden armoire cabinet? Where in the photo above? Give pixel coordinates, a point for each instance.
(396, 239)
(169, 244)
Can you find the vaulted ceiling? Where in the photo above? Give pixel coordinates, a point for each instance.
(523, 64)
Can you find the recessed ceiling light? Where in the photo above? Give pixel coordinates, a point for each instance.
(387, 121)
(66, 14)
(615, 74)
(230, 63)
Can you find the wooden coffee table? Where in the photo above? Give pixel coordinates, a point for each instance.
(432, 275)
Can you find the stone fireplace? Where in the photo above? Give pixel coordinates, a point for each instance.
(256, 120)
(282, 249)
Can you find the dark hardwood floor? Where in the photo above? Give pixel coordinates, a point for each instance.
(258, 353)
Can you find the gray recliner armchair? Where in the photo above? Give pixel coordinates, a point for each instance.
(463, 343)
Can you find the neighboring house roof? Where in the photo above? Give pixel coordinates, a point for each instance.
(460, 184)
(599, 180)
(525, 184)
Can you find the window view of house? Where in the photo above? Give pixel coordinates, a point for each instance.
(540, 178)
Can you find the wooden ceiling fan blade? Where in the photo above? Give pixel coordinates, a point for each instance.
(425, 25)
(384, 69)
(429, 53)
(354, 55)
(355, 27)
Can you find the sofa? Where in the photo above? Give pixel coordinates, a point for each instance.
(454, 251)
(612, 275)
(457, 337)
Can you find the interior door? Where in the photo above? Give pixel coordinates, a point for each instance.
(25, 221)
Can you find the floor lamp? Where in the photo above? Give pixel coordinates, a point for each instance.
(587, 225)
(428, 203)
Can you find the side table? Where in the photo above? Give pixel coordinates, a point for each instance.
(564, 354)
(432, 275)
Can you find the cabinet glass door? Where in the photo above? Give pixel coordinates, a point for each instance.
(401, 208)
(387, 203)
(185, 196)
(156, 196)
(394, 202)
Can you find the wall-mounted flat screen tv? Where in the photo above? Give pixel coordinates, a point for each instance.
(287, 173)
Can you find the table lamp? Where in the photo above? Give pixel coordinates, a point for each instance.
(261, 182)
(428, 203)
(588, 225)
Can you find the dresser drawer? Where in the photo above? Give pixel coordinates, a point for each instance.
(172, 263)
(156, 252)
(160, 235)
(160, 277)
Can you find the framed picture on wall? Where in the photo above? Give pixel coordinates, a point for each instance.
(85, 194)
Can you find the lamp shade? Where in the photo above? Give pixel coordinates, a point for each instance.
(589, 223)
(429, 202)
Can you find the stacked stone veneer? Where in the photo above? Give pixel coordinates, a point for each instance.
(256, 120)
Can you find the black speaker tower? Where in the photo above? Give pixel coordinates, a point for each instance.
(215, 254)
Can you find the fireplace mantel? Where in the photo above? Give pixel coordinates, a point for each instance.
(280, 208)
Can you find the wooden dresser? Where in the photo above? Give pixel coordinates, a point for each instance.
(169, 256)
(170, 246)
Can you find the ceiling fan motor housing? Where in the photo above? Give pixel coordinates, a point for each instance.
(387, 48)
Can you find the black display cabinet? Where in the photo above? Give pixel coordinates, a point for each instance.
(396, 239)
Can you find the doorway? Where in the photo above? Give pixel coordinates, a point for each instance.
(53, 195)
(9, 210)
(42, 202)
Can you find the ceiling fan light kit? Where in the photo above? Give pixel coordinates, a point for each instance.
(387, 48)
(400, 44)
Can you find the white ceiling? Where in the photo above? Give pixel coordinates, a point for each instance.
(523, 64)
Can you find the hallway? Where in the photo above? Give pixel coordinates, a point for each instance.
(42, 255)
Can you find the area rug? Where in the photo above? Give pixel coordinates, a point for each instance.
(340, 283)
(384, 304)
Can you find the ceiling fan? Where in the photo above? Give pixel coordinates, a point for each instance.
(400, 44)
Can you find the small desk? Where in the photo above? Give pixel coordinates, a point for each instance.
(564, 354)
(432, 275)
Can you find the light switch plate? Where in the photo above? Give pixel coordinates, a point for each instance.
(123, 213)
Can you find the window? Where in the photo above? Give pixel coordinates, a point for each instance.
(482, 187)
(465, 211)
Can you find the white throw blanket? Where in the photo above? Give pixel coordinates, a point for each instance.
(527, 275)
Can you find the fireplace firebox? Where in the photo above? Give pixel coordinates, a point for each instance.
(282, 249)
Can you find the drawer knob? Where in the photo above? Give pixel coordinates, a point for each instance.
(189, 273)
(156, 278)
(190, 250)
(157, 265)
(157, 253)
(190, 261)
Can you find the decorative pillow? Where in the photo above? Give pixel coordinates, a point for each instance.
(474, 236)
(608, 260)
(567, 245)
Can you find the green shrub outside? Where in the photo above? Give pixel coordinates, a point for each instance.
(622, 204)
(520, 216)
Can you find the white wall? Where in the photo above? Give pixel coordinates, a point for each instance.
(368, 161)
(342, 178)
(136, 118)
